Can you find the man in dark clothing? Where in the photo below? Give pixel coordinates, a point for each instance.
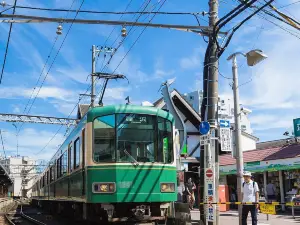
(191, 192)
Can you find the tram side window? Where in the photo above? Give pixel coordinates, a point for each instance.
(64, 163)
(104, 139)
(51, 174)
(165, 141)
(58, 173)
(76, 153)
(71, 157)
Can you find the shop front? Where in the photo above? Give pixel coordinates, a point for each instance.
(284, 174)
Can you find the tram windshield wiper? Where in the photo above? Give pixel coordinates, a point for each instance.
(131, 157)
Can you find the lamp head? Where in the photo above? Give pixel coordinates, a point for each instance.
(255, 56)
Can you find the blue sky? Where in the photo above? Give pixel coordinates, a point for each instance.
(270, 89)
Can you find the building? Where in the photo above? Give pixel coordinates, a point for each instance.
(21, 170)
(226, 112)
(190, 117)
(273, 161)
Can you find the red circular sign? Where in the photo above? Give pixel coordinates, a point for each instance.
(209, 173)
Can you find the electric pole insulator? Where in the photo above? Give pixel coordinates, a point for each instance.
(124, 32)
(59, 29)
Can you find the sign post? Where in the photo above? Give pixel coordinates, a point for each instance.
(225, 136)
(297, 127)
(210, 194)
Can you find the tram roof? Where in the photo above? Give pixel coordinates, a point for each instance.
(113, 109)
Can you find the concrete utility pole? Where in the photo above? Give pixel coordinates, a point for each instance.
(253, 57)
(93, 77)
(238, 133)
(210, 103)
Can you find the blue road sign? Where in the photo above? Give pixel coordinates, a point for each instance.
(204, 127)
(225, 123)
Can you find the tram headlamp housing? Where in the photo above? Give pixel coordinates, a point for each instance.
(104, 187)
(167, 187)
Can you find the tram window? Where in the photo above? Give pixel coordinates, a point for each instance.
(64, 163)
(165, 141)
(104, 139)
(76, 153)
(136, 138)
(58, 168)
(51, 174)
(71, 157)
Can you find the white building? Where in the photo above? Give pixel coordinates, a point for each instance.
(22, 171)
(226, 112)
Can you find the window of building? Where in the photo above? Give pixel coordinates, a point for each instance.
(244, 127)
(58, 168)
(76, 153)
(191, 97)
(104, 139)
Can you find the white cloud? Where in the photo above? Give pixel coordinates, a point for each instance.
(45, 92)
(195, 60)
(30, 145)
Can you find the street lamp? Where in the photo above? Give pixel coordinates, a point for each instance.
(253, 58)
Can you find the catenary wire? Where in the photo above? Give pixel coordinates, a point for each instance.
(76, 105)
(7, 43)
(43, 69)
(107, 12)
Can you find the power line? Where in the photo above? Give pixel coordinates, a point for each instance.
(89, 89)
(7, 43)
(76, 105)
(45, 64)
(137, 39)
(44, 67)
(108, 12)
(2, 143)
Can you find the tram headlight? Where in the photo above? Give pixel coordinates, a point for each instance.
(104, 187)
(167, 187)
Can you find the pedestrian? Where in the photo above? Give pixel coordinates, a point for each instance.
(271, 191)
(250, 193)
(191, 187)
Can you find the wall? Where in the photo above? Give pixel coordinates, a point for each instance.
(247, 142)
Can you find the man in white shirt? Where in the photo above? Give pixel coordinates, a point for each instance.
(250, 193)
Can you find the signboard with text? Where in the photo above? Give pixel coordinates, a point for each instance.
(297, 127)
(225, 139)
(209, 194)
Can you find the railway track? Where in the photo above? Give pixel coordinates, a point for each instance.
(16, 216)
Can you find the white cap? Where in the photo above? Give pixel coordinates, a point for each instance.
(247, 173)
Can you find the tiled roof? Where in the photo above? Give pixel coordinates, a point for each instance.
(289, 151)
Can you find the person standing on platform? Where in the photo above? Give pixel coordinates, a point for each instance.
(250, 193)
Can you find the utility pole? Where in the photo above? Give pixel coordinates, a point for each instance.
(210, 154)
(93, 77)
(95, 53)
(238, 146)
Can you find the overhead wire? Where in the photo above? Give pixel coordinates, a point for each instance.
(45, 77)
(76, 105)
(7, 43)
(107, 12)
(45, 64)
(136, 40)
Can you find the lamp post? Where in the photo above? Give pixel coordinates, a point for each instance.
(253, 58)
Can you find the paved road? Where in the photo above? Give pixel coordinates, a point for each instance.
(232, 219)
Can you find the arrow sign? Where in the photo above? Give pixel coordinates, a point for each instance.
(225, 123)
(204, 127)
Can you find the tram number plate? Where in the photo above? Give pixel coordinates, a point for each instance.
(268, 209)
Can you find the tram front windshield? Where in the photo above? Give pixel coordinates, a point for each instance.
(132, 138)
